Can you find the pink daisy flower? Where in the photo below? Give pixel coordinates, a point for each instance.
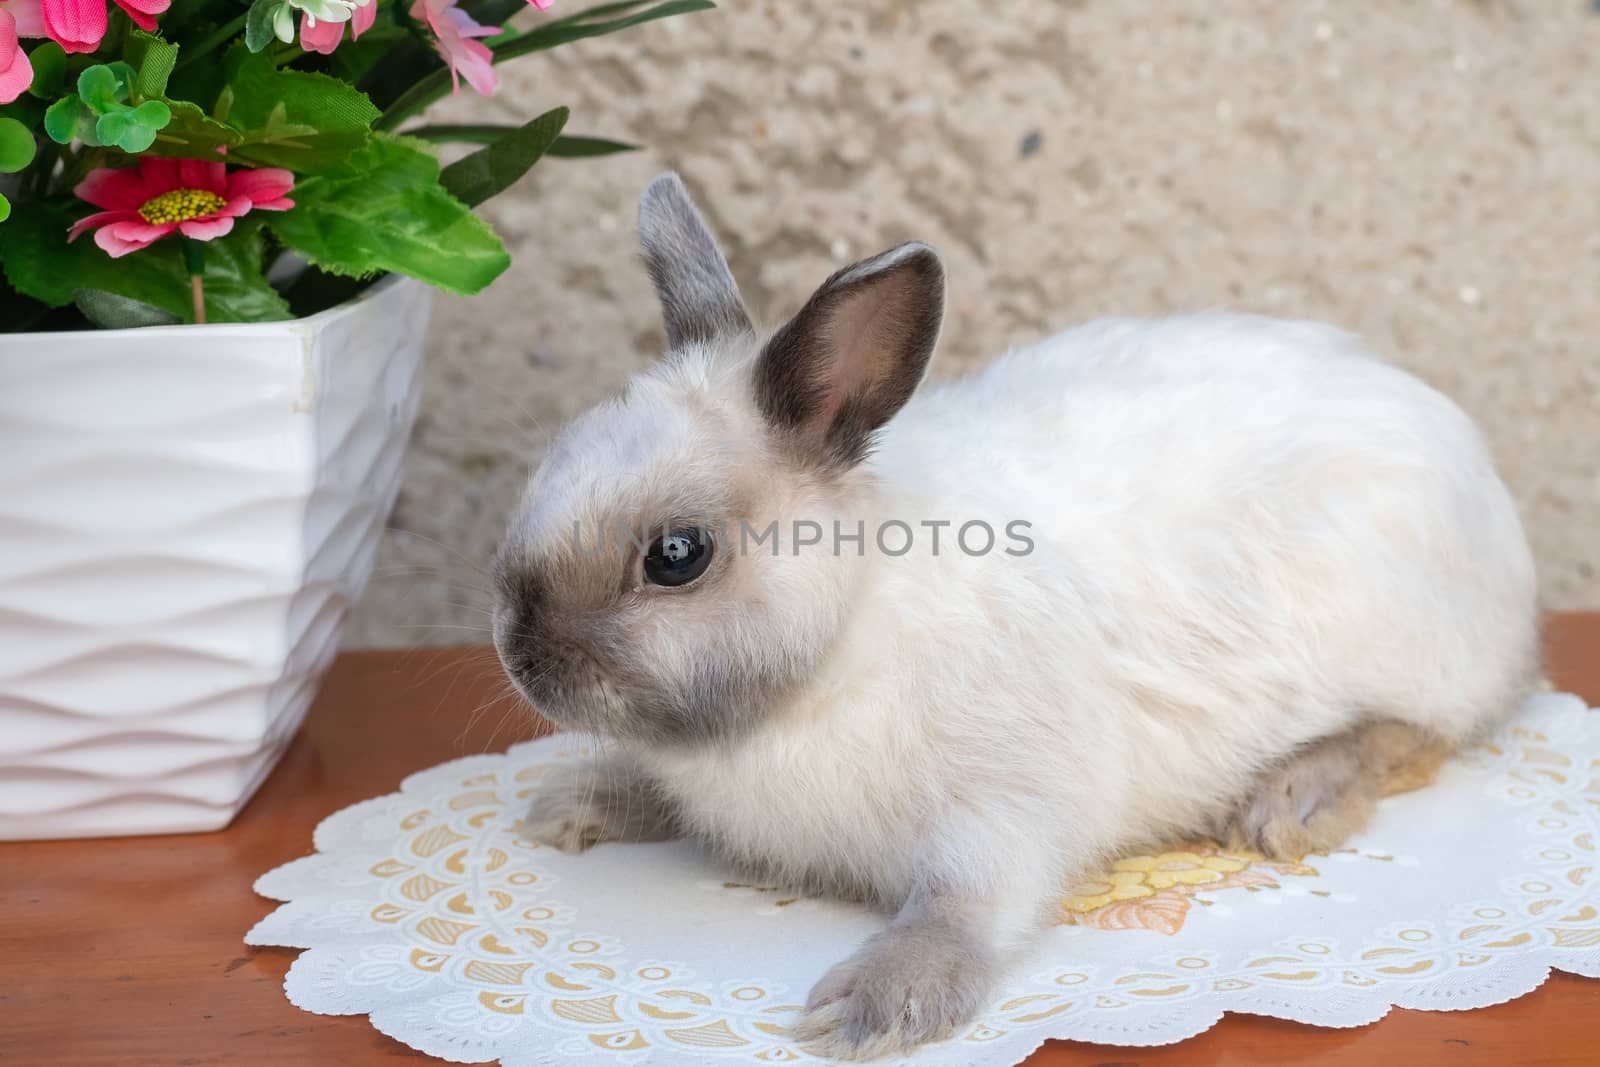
(191, 197)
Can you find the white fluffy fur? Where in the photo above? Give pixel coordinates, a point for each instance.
(1249, 534)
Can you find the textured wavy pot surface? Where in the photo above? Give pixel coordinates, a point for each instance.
(186, 515)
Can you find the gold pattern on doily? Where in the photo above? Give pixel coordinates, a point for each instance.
(1154, 892)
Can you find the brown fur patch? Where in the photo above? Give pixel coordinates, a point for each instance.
(1318, 797)
(1409, 759)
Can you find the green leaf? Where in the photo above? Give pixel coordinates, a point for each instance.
(5, 208)
(493, 168)
(61, 119)
(98, 87)
(567, 146)
(497, 11)
(314, 99)
(40, 263)
(68, 118)
(111, 128)
(136, 139)
(101, 115)
(382, 209)
(16, 146)
(598, 11)
(152, 60)
(300, 148)
(433, 85)
(289, 118)
(192, 134)
(153, 114)
(259, 23)
(577, 27)
(585, 147)
(125, 75)
(462, 133)
(133, 129)
(49, 70)
(236, 288)
(112, 312)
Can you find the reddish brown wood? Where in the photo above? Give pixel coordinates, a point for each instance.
(128, 951)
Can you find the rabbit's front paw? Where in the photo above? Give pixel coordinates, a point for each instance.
(580, 805)
(910, 984)
(568, 813)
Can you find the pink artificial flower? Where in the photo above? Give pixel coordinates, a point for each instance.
(325, 36)
(542, 5)
(454, 30)
(193, 197)
(16, 73)
(29, 16)
(78, 25)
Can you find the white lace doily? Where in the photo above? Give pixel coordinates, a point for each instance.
(425, 910)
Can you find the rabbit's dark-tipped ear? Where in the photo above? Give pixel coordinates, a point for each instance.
(699, 298)
(836, 372)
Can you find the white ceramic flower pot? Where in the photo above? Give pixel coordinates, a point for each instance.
(186, 515)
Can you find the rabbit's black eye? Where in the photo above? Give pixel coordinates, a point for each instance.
(678, 557)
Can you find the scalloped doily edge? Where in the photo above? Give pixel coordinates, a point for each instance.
(1027, 1041)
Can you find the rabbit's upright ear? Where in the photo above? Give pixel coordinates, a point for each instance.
(699, 297)
(852, 357)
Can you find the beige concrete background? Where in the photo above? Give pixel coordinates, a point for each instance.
(1425, 173)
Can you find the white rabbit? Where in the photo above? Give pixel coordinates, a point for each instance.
(1241, 572)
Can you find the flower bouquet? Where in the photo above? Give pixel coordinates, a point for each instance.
(166, 161)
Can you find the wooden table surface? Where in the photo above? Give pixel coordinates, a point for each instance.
(129, 952)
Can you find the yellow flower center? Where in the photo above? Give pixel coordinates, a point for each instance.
(180, 205)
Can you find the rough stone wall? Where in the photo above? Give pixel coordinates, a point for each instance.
(1424, 172)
